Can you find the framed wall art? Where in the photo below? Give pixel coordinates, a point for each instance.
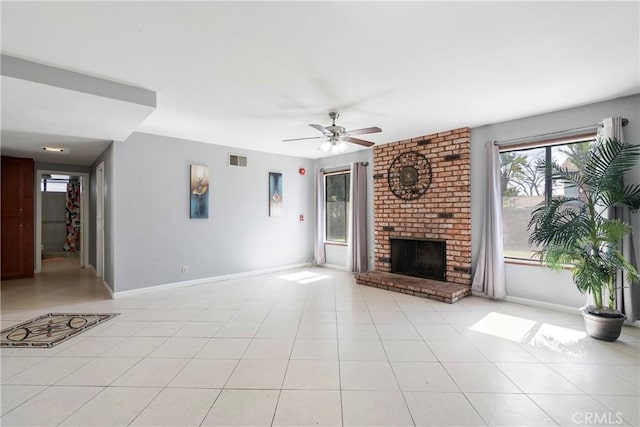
(275, 194)
(199, 192)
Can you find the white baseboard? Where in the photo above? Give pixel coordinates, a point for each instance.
(543, 304)
(556, 307)
(105, 284)
(203, 280)
(108, 288)
(334, 267)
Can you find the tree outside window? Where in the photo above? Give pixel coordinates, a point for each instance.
(525, 185)
(336, 206)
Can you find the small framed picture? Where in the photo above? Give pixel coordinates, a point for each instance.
(199, 191)
(275, 194)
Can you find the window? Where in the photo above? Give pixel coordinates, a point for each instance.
(336, 206)
(525, 185)
(54, 183)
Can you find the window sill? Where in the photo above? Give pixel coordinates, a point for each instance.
(530, 263)
(519, 261)
(335, 243)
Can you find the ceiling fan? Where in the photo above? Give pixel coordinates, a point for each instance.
(336, 137)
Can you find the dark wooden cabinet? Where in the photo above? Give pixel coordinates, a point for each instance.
(17, 218)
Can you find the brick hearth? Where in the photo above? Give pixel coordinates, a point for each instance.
(426, 288)
(442, 213)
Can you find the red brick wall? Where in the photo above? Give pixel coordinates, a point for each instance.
(443, 212)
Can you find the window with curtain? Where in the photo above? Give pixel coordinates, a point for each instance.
(525, 185)
(336, 206)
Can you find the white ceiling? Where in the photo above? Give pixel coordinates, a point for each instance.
(249, 74)
(78, 151)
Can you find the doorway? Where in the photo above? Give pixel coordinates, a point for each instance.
(62, 217)
(100, 220)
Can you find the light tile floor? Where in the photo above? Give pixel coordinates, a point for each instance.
(310, 347)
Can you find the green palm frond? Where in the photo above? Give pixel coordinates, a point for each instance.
(558, 257)
(565, 175)
(561, 221)
(576, 230)
(608, 162)
(625, 196)
(612, 231)
(589, 275)
(572, 178)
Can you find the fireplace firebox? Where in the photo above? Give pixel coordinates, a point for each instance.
(419, 258)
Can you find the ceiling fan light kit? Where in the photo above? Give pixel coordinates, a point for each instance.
(336, 137)
(333, 144)
(325, 146)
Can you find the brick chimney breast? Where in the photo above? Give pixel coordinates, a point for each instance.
(443, 212)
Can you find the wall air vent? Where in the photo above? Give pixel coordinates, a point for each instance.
(237, 160)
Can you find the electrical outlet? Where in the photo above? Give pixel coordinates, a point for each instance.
(185, 269)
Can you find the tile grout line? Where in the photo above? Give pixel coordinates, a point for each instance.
(110, 385)
(284, 377)
(335, 302)
(228, 378)
(375, 325)
(439, 362)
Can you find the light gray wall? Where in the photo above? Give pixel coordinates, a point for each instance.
(337, 255)
(531, 281)
(155, 236)
(54, 222)
(109, 215)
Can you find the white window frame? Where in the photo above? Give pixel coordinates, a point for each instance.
(326, 227)
(548, 186)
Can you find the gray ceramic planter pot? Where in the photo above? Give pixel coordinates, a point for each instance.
(606, 328)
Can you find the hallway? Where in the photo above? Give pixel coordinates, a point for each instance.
(60, 283)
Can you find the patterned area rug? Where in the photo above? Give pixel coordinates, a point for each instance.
(50, 329)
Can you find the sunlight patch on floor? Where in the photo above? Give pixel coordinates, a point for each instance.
(504, 326)
(304, 277)
(557, 339)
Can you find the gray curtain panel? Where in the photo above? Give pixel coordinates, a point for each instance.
(628, 294)
(357, 242)
(489, 279)
(319, 252)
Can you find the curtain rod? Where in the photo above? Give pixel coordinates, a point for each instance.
(337, 168)
(507, 142)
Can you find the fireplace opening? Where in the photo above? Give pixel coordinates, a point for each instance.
(419, 258)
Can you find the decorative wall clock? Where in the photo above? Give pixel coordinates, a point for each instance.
(409, 175)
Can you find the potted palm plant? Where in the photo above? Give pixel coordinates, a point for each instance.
(578, 232)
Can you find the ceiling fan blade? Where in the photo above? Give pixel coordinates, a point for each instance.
(321, 129)
(301, 139)
(363, 131)
(360, 141)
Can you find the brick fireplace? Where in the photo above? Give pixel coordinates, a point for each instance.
(441, 214)
(419, 258)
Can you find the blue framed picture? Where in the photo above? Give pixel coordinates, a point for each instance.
(275, 194)
(199, 191)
